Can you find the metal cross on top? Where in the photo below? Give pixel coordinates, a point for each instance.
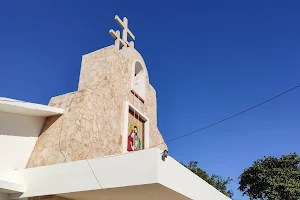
(116, 34)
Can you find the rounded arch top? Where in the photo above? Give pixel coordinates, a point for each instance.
(135, 57)
(139, 79)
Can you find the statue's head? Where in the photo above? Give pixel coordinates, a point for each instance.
(135, 129)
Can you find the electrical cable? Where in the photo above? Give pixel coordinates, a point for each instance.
(230, 117)
(213, 124)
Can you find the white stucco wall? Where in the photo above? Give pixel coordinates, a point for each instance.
(20, 125)
(18, 135)
(15, 151)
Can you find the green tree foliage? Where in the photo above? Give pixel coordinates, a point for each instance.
(272, 178)
(217, 181)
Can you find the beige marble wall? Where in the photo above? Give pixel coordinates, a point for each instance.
(92, 125)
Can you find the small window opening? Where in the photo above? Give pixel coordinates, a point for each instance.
(139, 80)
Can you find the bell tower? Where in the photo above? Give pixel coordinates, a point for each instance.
(112, 112)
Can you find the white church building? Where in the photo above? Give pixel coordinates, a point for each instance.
(100, 142)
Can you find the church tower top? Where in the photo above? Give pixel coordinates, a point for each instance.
(113, 111)
(123, 42)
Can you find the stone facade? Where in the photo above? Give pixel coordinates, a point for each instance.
(93, 122)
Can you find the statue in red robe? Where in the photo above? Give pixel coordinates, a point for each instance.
(133, 141)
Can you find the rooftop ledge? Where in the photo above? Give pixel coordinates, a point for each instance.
(8, 187)
(26, 108)
(137, 175)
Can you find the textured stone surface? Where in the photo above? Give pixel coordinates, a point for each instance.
(92, 125)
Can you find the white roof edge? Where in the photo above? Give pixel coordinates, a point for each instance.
(8, 187)
(105, 173)
(26, 108)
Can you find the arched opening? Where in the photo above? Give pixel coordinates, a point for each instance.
(139, 80)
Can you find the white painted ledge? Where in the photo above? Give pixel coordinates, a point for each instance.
(8, 187)
(26, 108)
(140, 175)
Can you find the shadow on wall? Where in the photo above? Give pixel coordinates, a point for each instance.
(20, 125)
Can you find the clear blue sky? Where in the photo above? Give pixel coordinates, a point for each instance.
(206, 59)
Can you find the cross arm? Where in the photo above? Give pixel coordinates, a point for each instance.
(117, 36)
(124, 25)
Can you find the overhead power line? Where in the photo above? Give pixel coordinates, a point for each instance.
(228, 118)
